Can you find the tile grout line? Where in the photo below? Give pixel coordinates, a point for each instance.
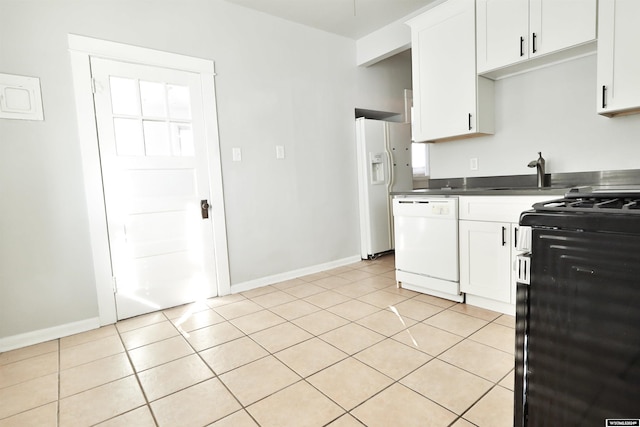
(215, 375)
(59, 381)
(301, 379)
(312, 336)
(195, 352)
(494, 384)
(348, 356)
(135, 373)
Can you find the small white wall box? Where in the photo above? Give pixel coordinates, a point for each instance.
(20, 97)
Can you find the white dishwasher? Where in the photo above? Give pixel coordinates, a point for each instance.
(426, 245)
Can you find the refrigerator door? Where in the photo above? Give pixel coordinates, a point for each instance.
(399, 148)
(373, 182)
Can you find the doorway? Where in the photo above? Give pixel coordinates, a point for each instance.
(150, 147)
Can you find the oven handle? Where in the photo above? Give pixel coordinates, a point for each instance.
(523, 269)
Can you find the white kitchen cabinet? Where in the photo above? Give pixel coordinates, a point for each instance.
(487, 241)
(502, 29)
(450, 100)
(513, 31)
(618, 57)
(485, 257)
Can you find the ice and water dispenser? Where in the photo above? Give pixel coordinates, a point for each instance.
(376, 164)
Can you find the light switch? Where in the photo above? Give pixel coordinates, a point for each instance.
(237, 154)
(279, 151)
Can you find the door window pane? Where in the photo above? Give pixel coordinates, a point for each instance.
(179, 102)
(128, 134)
(154, 101)
(156, 138)
(182, 139)
(124, 96)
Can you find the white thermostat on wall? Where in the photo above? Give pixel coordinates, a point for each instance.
(20, 97)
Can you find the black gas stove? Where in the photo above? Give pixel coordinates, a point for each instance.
(577, 319)
(594, 202)
(598, 211)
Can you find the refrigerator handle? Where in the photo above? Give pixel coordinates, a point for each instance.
(390, 168)
(390, 182)
(390, 175)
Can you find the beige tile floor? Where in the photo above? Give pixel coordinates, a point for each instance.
(339, 348)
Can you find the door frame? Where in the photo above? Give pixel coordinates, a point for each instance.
(81, 49)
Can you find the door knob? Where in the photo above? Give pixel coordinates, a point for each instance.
(204, 208)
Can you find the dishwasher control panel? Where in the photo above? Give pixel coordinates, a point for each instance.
(441, 207)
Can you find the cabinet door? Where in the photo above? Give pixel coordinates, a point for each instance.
(559, 24)
(485, 257)
(502, 28)
(444, 71)
(618, 58)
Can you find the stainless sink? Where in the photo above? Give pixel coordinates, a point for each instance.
(526, 188)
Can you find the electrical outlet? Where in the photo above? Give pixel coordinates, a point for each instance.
(473, 163)
(279, 151)
(237, 154)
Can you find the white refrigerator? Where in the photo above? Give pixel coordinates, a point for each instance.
(384, 165)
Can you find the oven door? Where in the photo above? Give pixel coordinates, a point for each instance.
(578, 330)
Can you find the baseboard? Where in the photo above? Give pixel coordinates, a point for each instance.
(281, 277)
(42, 335)
(48, 334)
(489, 304)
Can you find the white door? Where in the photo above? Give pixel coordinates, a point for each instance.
(155, 173)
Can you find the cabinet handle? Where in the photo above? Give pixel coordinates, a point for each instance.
(534, 44)
(604, 96)
(521, 46)
(504, 237)
(515, 237)
(469, 121)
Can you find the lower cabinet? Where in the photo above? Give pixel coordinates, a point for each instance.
(487, 230)
(485, 257)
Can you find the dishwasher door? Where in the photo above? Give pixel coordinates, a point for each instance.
(426, 242)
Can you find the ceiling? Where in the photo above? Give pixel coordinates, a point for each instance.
(350, 18)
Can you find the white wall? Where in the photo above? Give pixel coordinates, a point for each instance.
(277, 83)
(387, 41)
(381, 86)
(552, 110)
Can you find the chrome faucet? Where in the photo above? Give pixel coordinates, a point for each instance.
(539, 165)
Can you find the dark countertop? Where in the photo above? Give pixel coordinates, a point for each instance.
(557, 184)
(479, 191)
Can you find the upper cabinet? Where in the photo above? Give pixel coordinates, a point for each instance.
(514, 31)
(503, 28)
(618, 57)
(450, 100)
